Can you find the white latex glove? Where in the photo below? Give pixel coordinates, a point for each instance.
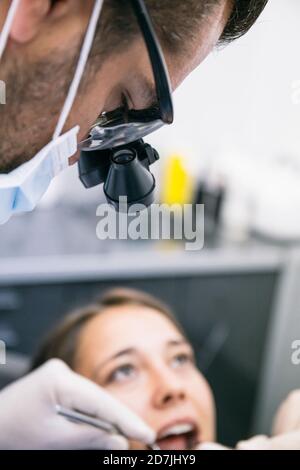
(289, 441)
(28, 418)
(286, 429)
(287, 419)
(211, 446)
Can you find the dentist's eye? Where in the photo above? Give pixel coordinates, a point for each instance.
(123, 374)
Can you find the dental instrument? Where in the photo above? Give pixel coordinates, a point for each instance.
(82, 418)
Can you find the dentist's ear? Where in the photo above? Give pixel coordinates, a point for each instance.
(29, 19)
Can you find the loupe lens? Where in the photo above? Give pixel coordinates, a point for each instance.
(123, 156)
(109, 137)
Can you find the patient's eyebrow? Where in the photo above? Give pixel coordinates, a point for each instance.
(178, 342)
(128, 351)
(123, 352)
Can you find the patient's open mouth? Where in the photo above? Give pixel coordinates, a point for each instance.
(181, 436)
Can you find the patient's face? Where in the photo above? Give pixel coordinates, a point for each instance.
(140, 357)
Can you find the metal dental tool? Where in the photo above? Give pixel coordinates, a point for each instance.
(82, 418)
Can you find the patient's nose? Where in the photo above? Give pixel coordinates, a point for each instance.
(169, 391)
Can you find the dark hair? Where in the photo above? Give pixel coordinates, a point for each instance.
(176, 22)
(244, 15)
(62, 342)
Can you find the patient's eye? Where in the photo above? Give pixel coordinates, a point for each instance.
(123, 373)
(182, 359)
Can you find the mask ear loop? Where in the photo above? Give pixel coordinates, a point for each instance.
(7, 25)
(85, 51)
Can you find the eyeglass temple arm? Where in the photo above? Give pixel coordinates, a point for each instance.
(160, 70)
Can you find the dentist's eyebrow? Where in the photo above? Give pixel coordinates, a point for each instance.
(148, 93)
(146, 90)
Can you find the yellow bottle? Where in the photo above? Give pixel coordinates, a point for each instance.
(177, 184)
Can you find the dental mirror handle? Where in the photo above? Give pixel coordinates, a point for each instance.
(86, 419)
(82, 418)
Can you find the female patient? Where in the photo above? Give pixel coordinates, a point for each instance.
(130, 344)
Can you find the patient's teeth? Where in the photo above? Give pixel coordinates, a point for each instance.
(177, 430)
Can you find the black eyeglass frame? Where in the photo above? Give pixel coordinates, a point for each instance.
(124, 125)
(159, 67)
(123, 130)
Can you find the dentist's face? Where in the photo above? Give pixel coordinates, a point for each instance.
(140, 357)
(39, 64)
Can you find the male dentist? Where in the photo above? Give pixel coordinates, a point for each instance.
(64, 62)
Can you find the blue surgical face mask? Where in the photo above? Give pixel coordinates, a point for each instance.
(22, 189)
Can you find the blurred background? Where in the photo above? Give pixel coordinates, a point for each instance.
(235, 147)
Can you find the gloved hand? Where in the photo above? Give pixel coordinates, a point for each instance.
(289, 441)
(286, 429)
(287, 418)
(211, 446)
(28, 418)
